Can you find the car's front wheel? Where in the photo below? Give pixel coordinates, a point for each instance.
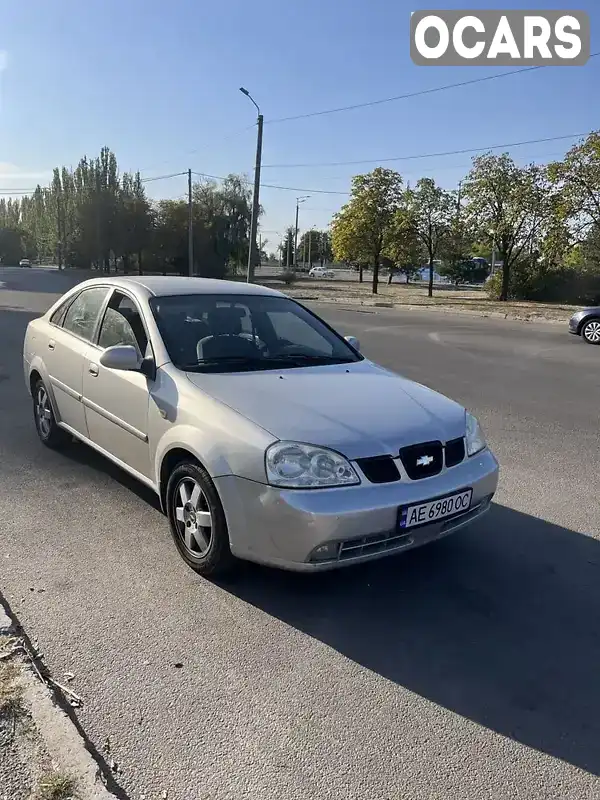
(591, 331)
(45, 422)
(197, 521)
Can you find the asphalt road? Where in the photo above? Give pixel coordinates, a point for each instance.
(468, 669)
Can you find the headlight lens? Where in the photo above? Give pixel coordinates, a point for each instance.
(294, 465)
(475, 438)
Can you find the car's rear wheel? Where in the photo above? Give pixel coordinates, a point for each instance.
(197, 521)
(45, 422)
(591, 331)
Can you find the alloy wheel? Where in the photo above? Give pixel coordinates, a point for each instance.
(592, 332)
(193, 516)
(43, 412)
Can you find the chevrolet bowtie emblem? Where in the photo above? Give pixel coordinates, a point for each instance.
(424, 461)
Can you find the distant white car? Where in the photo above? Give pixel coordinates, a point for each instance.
(321, 272)
(25, 262)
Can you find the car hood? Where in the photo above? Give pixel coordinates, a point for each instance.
(359, 409)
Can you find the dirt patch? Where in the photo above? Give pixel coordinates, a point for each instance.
(457, 300)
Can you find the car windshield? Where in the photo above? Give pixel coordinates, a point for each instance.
(231, 333)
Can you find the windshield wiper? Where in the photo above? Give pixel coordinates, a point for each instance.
(309, 357)
(286, 359)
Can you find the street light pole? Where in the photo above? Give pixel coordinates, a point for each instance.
(190, 226)
(255, 196)
(298, 201)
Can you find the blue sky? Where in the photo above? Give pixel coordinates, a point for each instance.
(158, 83)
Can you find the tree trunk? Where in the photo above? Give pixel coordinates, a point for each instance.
(360, 273)
(391, 275)
(126, 264)
(140, 263)
(505, 278)
(430, 289)
(375, 274)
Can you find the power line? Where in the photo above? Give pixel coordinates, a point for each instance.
(272, 186)
(410, 94)
(199, 149)
(163, 177)
(428, 155)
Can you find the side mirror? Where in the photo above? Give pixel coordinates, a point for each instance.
(353, 342)
(122, 357)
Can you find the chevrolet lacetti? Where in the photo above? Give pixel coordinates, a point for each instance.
(266, 435)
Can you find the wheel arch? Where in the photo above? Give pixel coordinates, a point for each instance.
(585, 320)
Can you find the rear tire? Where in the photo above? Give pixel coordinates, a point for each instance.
(197, 521)
(590, 332)
(45, 422)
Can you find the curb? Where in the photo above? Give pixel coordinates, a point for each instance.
(350, 306)
(60, 733)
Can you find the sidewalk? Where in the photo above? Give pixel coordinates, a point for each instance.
(42, 753)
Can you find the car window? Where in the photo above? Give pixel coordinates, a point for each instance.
(292, 329)
(122, 324)
(263, 331)
(58, 316)
(82, 315)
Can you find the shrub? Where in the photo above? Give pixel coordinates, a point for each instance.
(288, 277)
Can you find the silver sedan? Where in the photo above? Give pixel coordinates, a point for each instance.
(266, 435)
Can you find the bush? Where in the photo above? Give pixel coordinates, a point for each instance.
(563, 285)
(288, 277)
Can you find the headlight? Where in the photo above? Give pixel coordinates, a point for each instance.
(294, 466)
(475, 438)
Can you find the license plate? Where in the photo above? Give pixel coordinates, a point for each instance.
(433, 510)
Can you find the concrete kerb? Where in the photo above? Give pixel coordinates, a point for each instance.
(57, 726)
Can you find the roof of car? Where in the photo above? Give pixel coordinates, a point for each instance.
(162, 285)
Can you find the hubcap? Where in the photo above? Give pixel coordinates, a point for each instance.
(43, 412)
(592, 332)
(193, 517)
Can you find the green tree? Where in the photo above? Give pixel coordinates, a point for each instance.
(577, 179)
(426, 215)
(360, 229)
(509, 206)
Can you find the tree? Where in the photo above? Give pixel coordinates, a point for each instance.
(426, 215)
(287, 248)
(404, 248)
(577, 179)
(509, 206)
(360, 229)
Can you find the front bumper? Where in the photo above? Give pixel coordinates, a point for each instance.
(283, 527)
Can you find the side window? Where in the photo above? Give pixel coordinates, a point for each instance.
(82, 314)
(122, 325)
(59, 315)
(293, 330)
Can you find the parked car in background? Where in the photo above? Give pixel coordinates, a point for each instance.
(321, 272)
(266, 435)
(586, 323)
(25, 262)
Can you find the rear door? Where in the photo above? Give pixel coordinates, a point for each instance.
(70, 333)
(116, 402)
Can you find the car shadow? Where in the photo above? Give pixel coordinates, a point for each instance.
(500, 624)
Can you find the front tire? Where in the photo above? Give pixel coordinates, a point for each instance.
(590, 332)
(45, 422)
(197, 521)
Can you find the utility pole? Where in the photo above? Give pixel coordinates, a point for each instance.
(289, 249)
(298, 201)
(59, 229)
(259, 260)
(255, 196)
(309, 247)
(190, 226)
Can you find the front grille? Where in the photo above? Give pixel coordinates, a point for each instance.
(376, 543)
(380, 469)
(422, 460)
(455, 452)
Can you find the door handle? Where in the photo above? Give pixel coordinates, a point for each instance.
(51, 344)
(93, 369)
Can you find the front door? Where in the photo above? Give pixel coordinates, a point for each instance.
(116, 402)
(68, 342)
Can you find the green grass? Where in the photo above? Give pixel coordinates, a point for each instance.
(56, 786)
